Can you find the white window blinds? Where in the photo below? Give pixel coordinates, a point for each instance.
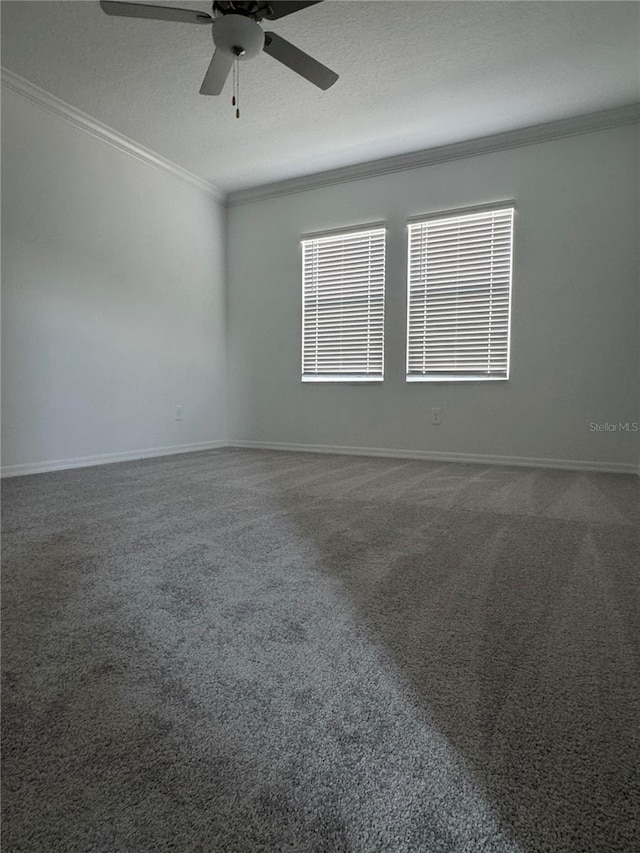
(343, 306)
(459, 283)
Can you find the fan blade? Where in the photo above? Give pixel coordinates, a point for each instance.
(156, 13)
(299, 61)
(280, 8)
(217, 73)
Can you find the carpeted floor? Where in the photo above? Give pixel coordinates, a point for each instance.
(260, 651)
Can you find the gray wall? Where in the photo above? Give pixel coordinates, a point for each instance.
(113, 306)
(112, 300)
(575, 349)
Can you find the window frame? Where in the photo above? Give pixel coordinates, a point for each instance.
(346, 378)
(492, 207)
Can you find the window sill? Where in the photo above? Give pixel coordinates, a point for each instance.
(461, 378)
(343, 380)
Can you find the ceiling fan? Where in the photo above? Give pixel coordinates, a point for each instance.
(237, 34)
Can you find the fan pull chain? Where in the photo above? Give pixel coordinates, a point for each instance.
(235, 64)
(237, 97)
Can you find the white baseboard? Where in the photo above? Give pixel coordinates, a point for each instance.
(391, 453)
(437, 456)
(106, 458)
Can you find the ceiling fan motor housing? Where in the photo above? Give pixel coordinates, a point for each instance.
(239, 35)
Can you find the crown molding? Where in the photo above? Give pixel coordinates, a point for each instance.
(628, 114)
(619, 116)
(104, 133)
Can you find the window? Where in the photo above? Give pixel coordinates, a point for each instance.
(459, 296)
(343, 306)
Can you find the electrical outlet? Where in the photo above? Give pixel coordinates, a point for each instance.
(436, 416)
(178, 413)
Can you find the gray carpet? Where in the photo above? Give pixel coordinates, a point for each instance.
(261, 651)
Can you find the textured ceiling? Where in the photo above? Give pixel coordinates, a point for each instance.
(412, 75)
